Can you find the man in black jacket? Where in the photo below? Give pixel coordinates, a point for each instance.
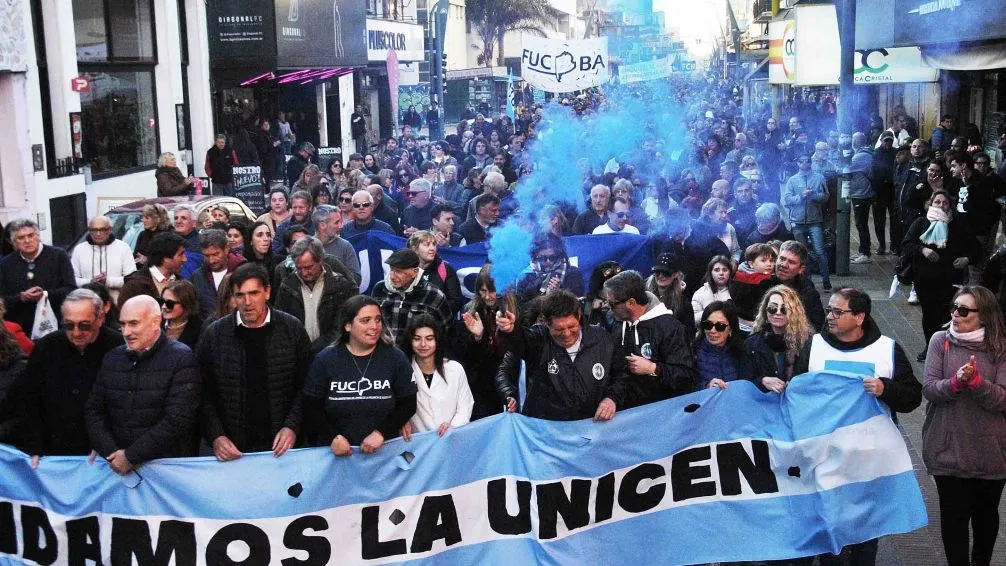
(253, 363)
(976, 205)
(217, 263)
(789, 271)
(653, 342)
(32, 270)
(852, 342)
(146, 396)
(572, 372)
(60, 374)
(314, 293)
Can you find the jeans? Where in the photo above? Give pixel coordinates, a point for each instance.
(861, 213)
(882, 207)
(964, 501)
(812, 236)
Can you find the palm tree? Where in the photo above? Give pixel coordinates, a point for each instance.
(492, 19)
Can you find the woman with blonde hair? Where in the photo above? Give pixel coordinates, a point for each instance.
(155, 220)
(171, 182)
(779, 341)
(437, 272)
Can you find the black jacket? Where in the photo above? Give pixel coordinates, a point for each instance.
(447, 282)
(52, 272)
(763, 353)
(60, 378)
(573, 389)
(911, 201)
(145, 403)
(221, 356)
(903, 392)
(809, 296)
(12, 382)
(960, 243)
(337, 289)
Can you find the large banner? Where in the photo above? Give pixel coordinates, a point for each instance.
(585, 252)
(731, 475)
(559, 65)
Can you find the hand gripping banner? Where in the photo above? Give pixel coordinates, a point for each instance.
(730, 475)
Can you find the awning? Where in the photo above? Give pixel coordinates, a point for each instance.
(957, 57)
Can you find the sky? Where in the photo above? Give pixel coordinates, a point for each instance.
(698, 22)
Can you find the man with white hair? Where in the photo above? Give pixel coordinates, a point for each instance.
(769, 226)
(363, 206)
(598, 212)
(494, 183)
(145, 399)
(418, 215)
(35, 269)
(102, 258)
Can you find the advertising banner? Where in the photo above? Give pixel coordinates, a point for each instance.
(818, 51)
(782, 52)
(241, 29)
(646, 71)
(557, 65)
(894, 65)
(321, 33)
(714, 476)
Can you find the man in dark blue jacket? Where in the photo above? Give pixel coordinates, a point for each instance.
(217, 264)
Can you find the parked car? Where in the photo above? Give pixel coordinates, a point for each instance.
(127, 220)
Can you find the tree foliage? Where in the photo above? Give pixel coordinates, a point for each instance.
(493, 19)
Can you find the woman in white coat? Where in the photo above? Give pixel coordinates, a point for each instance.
(443, 399)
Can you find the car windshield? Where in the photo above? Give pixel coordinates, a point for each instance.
(126, 225)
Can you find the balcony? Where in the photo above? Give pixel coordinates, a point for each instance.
(762, 11)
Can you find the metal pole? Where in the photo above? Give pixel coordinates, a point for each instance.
(847, 107)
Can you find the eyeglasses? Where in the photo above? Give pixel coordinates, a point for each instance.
(345, 199)
(719, 326)
(169, 304)
(772, 309)
(362, 204)
(962, 311)
(836, 312)
(414, 193)
(622, 214)
(548, 258)
(82, 326)
(98, 230)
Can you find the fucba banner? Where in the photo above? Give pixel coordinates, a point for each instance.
(559, 65)
(585, 252)
(731, 475)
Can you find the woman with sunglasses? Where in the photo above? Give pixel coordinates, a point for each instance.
(596, 309)
(940, 247)
(550, 271)
(715, 285)
(321, 191)
(962, 437)
(780, 340)
(719, 346)
(180, 309)
(337, 173)
(443, 399)
(667, 282)
(279, 208)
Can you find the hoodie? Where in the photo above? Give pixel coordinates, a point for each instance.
(113, 258)
(661, 338)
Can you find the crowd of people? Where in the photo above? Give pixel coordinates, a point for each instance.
(268, 345)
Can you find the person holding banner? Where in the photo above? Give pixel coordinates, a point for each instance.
(363, 359)
(551, 271)
(965, 385)
(443, 399)
(573, 372)
(779, 341)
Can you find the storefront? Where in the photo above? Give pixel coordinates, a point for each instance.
(389, 89)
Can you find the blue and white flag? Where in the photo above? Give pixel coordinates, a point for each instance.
(731, 475)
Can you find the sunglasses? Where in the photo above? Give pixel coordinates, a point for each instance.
(345, 199)
(622, 214)
(82, 326)
(362, 204)
(772, 309)
(962, 311)
(719, 326)
(414, 193)
(169, 304)
(548, 258)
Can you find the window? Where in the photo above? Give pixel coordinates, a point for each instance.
(117, 52)
(120, 120)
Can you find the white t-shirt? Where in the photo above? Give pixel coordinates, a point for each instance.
(606, 229)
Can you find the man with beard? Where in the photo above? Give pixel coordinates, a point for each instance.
(301, 204)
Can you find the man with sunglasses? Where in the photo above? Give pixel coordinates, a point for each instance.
(60, 373)
(385, 209)
(363, 206)
(418, 215)
(618, 220)
(852, 342)
(654, 343)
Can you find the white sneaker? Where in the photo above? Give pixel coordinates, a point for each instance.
(860, 259)
(913, 299)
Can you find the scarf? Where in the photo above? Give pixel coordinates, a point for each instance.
(937, 232)
(973, 337)
(558, 270)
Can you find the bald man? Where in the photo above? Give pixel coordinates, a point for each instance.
(145, 398)
(102, 258)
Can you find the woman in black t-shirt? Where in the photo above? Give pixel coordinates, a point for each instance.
(359, 391)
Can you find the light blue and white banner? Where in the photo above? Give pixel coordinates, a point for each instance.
(585, 252)
(714, 476)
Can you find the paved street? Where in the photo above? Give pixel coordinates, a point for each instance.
(903, 322)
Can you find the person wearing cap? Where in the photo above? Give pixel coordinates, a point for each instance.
(298, 162)
(656, 346)
(355, 161)
(667, 282)
(551, 270)
(403, 293)
(314, 292)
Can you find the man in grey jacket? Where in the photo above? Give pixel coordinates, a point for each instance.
(803, 196)
(861, 191)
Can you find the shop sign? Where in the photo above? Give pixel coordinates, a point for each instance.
(894, 65)
(321, 33)
(817, 50)
(782, 52)
(248, 187)
(241, 29)
(405, 39)
(924, 22)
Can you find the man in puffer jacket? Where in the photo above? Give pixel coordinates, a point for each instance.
(144, 401)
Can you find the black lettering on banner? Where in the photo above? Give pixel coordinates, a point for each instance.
(500, 520)
(259, 553)
(438, 519)
(373, 547)
(8, 529)
(552, 502)
(732, 460)
(131, 538)
(83, 538)
(318, 549)
(604, 500)
(684, 475)
(35, 522)
(635, 502)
